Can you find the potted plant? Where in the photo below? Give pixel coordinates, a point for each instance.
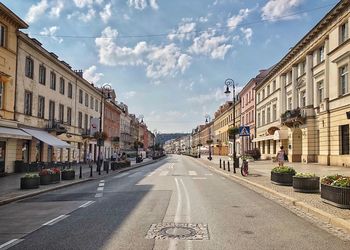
(45, 176)
(282, 175)
(68, 174)
(30, 181)
(335, 190)
(56, 175)
(306, 183)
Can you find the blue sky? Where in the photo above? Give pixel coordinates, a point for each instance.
(168, 60)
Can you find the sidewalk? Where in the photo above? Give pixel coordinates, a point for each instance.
(10, 185)
(259, 176)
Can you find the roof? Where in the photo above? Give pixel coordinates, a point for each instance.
(13, 17)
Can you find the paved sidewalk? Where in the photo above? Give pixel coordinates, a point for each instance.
(10, 185)
(259, 176)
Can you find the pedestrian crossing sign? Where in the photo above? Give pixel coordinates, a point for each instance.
(244, 131)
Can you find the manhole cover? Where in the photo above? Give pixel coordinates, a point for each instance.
(180, 231)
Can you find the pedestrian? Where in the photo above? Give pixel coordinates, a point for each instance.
(281, 156)
(114, 156)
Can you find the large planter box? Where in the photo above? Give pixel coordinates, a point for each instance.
(284, 179)
(55, 178)
(30, 183)
(68, 175)
(336, 196)
(45, 179)
(306, 185)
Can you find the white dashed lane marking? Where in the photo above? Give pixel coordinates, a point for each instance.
(87, 204)
(208, 174)
(192, 172)
(54, 221)
(199, 178)
(102, 184)
(98, 195)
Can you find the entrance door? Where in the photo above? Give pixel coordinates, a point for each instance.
(2, 156)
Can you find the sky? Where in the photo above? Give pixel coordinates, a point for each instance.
(168, 60)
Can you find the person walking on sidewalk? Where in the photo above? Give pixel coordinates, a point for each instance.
(281, 156)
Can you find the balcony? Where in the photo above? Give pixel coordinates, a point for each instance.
(293, 118)
(56, 126)
(85, 133)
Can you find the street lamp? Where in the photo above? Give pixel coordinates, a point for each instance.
(230, 83)
(105, 89)
(207, 120)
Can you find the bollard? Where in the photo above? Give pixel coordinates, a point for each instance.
(228, 166)
(220, 162)
(224, 166)
(90, 169)
(107, 167)
(80, 172)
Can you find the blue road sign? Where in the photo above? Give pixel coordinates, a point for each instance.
(244, 131)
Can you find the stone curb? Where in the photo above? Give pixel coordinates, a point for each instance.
(324, 216)
(35, 193)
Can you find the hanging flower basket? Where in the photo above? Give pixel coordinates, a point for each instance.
(210, 141)
(232, 132)
(103, 135)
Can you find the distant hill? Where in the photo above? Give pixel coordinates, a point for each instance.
(161, 138)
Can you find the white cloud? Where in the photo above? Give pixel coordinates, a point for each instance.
(36, 10)
(51, 32)
(142, 4)
(153, 4)
(203, 19)
(210, 45)
(56, 9)
(162, 61)
(106, 14)
(129, 94)
(91, 75)
(88, 16)
(248, 33)
(234, 21)
(126, 17)
(83, 3)
(217, 95)
(279, 9)
(184, 31)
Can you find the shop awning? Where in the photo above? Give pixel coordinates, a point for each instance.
(263, 138)
(46, 138)
(14, 133)
(280, 135)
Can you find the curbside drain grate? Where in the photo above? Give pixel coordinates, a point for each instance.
(180, 231)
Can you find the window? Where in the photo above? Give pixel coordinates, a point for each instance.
(51, 110)
(263, 117)
(302, 68)
(2, 35)
(80, 96)
(70, 90)
(343, 79)
(52, 81)
(42, 75)
(263, 94)
(268, 90)
(69, 116)
(80, 120)
(91, 102)
(61, 113)
(343, 33)
(41, 107)
(344, 139)
(29, 67)
(320, 91)
(274, 112)
(274, 85)
(320, 54)
(86, 121)
(268, 119)
(303, 98)
(86, 100)
(62, 85)
(290, 103)
(258, 97)
(96, 105)
(28, 100)
(1, 93)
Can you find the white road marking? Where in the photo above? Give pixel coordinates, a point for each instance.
(102, 180)
(179, 202)
(10, 243)
(87, 204)
(208, 174)
(199, 178)
(192, 172)
(98, 195)
(120, 176)
(100, 188)
(102, 184)
(188, 244)
(163, 173)
(57, 219)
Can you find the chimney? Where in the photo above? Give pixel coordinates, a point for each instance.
(79, 72)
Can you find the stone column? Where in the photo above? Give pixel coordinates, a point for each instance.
(309, 81)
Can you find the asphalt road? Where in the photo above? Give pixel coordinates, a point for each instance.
(173, 204)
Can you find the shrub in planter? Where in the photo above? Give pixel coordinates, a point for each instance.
(56, 175)
(68, 174)
(306, 183)
(282, 175)
(45, 176)
(255, 153)
(30, 181)
(335, 190)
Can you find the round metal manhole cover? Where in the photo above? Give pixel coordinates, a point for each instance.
(175, 232)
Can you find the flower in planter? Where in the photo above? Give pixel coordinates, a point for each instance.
(284, 170)
(68, 170)
(28, 176)
(328, 180)
(56, 170)
(305, 175)
(45, 172)
(342, 182)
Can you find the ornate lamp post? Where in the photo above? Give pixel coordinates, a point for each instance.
(230, 83)
(105, 89)
(207, 121)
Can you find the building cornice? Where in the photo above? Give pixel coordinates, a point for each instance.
(12, 18)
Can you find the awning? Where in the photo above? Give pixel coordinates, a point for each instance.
(280, 135)
(14, 133)
(46, 138)
(263, 138)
